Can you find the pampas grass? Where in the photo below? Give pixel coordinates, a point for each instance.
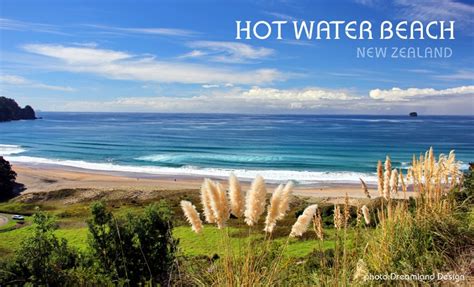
(394, 181)
(206, 203)
(401, 231)
(285, 200)
(318, 225)
(219, 203)
(192, 216)
(380, 175)
(255, 201)
(273, 210)
(365, 212)
(338, 218)
(303, 221)
(386, 179)
(365, 189)
(236, 196)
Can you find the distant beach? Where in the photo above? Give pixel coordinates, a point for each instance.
(49, 178)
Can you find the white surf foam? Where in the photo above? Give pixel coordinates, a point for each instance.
(6, 149)
(304, 177)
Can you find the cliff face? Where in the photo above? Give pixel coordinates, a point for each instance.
(10, 111)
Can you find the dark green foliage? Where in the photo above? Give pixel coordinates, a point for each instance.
(319, 260)
(7, 179)
(136, 250)
(466, 193)
(10, 111)
(42, 259)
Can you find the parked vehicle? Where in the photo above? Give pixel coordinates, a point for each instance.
(18, 217)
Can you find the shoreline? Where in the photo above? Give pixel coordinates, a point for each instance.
(44, 178)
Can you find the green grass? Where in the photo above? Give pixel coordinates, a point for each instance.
(209, 242)
(71, 220)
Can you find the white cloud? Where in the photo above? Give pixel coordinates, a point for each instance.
(15, 25)
(229, 52)
(254, 100)
(150, 30)
(124, 66)
(397, 94)
(436, 10)
(296, 95)
(210, 86)
(77, 55)
(20, 81)
(281, 16)
(193, 54)
(12, 80)
(458, 75)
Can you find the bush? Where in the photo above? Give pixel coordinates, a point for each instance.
(137, 250)
(7, 179)
(42, 258)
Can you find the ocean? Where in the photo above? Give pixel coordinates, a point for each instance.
(309, 149)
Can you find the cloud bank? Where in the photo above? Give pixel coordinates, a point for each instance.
(397, 94)
(125, 66)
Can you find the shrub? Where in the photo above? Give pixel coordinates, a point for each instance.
(7, 179)
(136, 250)
(42, 259)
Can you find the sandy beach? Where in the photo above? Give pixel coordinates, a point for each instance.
(52, 178)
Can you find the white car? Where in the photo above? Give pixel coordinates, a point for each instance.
(17, 217)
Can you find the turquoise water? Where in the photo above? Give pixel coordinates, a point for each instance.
(308, 149)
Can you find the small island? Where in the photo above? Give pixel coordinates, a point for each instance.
(11, 111)
(413, 114)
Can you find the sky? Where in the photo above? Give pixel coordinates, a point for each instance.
(183, 56)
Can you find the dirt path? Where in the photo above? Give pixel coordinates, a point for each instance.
(3, 219)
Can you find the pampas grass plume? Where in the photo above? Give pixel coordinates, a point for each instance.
(236, 196)
(380, 178)
(387, 176)
(394, 181)
(255, 201)
(365, 212)
(206, 203)
(218, 202)
(192, 216)
(303, 221)
(285, 200)
(273, 210)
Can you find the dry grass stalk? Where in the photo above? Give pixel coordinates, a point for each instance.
(338, 218)
(394, 181)
(387, 176)
(236, 196)
(273, 209)
(285, 200)
(192, 216)
(402, 181)
(365, 189)
(366, 213)
(318, 225)
(361, 271)
(206, 203)
(347, 211)
(359, 216)
(380, 175)
(301, 224)
(255, 201)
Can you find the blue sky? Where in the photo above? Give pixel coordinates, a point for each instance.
(182, 56)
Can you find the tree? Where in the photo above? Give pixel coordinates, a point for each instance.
(135, 250)
(42, 259)
(7, 179)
